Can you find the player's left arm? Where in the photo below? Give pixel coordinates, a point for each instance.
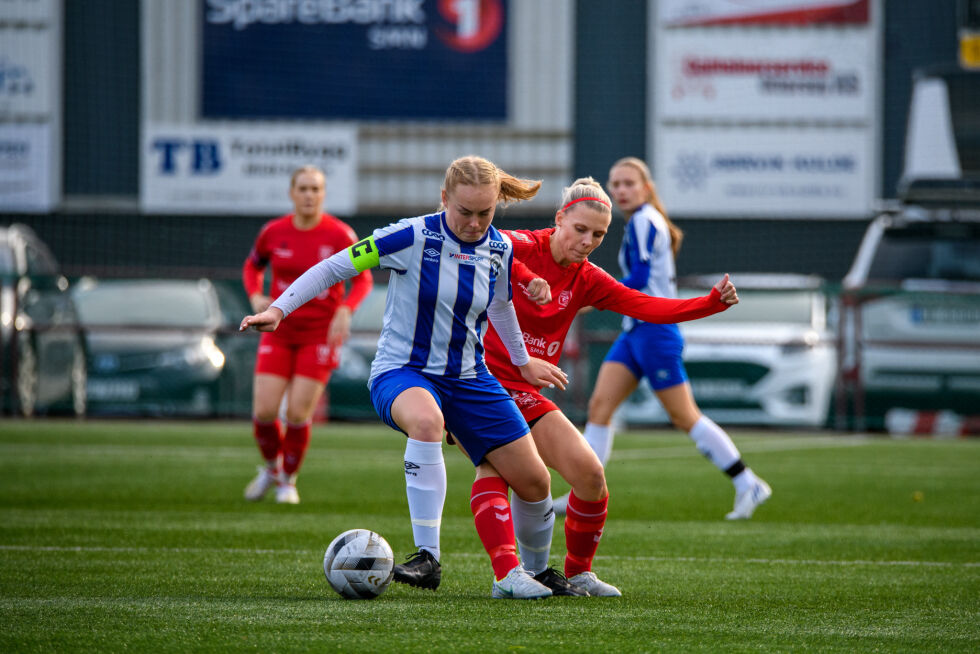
(610, 295)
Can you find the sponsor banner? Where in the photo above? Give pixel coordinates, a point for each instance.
(798, 75)
(687, 13)
(26, 168)
(364, 59)
(243, 168)
(765, 173)
(29, 64)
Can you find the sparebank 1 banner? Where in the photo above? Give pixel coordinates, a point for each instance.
(354, 59)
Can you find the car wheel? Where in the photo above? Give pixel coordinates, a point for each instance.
(27, 375)
(79, 382)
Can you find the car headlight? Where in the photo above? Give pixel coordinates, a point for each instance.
(212, 352)
(206, 350)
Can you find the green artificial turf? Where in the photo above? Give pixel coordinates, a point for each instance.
(133, 536)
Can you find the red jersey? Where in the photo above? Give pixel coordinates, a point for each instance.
(572, 288)
(290, 252)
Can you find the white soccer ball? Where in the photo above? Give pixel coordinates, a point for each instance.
(358, 564)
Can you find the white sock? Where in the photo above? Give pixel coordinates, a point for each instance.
(712, 441)
(534, 523)
(425, 485)
(600, 439)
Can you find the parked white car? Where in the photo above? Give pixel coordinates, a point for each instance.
(912, 314)
(770, 360)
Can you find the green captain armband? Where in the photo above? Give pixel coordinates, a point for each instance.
(364, 254)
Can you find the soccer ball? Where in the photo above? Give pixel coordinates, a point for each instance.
(358, 564)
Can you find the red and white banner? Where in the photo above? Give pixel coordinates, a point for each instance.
(943, 424)
(691, 13)
(818, 75)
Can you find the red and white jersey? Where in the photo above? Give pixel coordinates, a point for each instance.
(573, 287)
(291, 251)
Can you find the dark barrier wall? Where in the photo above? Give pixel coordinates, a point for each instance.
(101, 132)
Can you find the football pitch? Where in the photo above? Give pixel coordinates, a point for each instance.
(133, 536)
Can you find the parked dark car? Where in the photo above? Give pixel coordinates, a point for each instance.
(42, 356)
(163, 347)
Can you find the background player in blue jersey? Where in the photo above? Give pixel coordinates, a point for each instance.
(654, 351)
(451, 273)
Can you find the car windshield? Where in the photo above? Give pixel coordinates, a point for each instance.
(758, 306)
(151, 304)
(946, 251)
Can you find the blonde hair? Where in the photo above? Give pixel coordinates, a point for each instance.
(472, 170)
(676, 235)
(313, 170)
(586, 187)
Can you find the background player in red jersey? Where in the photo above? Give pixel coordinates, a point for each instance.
(560, 256)
(300, 355)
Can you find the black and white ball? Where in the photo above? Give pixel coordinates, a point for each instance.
(358, 564)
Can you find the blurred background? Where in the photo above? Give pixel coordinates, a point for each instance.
(826, 153)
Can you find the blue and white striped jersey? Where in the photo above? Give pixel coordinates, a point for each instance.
(438, 294)
(645, 257)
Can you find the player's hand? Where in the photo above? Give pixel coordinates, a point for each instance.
(266, 321)
(539, 372)
(339, 327)
(728, 293)
(259, 302)
(538, 291)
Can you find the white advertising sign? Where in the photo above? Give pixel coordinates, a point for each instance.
(29, 66)
(679, 13)
(25, 168)
(798, 75)
(765, 172)
(243, 168)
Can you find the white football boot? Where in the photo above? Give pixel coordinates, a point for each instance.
(286, 489)
(747, 502)
(258, 487)
(519, 584)
(595, 586)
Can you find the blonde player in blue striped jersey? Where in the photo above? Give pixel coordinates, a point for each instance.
(451, 273)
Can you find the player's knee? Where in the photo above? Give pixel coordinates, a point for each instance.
(600, 409)
(427, 428)
(591, 485)
(535, 489)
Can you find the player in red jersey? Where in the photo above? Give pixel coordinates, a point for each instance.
(298, 357)
(560, 256)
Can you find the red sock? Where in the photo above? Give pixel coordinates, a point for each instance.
(583, 528)
(268, 435)
(294, 446)
(491, 513)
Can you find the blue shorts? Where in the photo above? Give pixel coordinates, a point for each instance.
(652, 352)
(478, 412)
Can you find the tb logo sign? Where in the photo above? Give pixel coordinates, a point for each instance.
(200, 156)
